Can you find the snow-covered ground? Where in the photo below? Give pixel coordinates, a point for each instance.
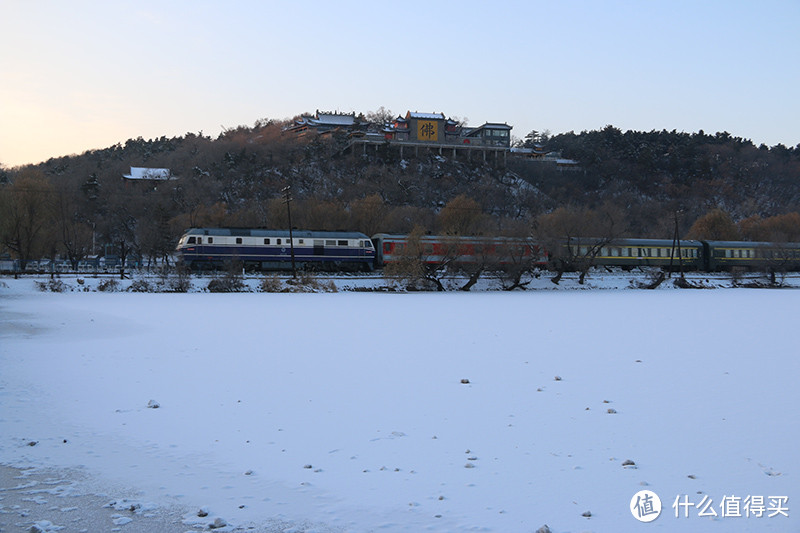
(353, 411)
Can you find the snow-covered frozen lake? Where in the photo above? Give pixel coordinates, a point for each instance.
(407, 412)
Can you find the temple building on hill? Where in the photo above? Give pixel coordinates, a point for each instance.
(436, 128)
(413, 131)
(322, 122)
(420, 127)
(434, 131)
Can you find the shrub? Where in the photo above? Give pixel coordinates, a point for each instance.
(271, 284)
(181, 282)
(141, 285)
(54, 285)
(228, 283)
(308, 283)
(108, 285)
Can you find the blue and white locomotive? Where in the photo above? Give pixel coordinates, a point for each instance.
(262, 249)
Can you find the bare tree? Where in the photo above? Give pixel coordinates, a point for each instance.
(155, 238)
(574, 237)
(439, 261)
(380, 116)
(775, 260)
(409, 268)
(716, 225)
(74, 230)
(424, 262)
(26, 216)
(368, 214)
(521, 256)
(462, 216)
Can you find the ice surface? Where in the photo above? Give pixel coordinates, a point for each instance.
(408, 412)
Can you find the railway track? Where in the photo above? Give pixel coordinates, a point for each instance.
(378, 275)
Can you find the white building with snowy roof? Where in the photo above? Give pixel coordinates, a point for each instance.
(151, 174)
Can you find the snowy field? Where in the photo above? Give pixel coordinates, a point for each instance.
(395, 412)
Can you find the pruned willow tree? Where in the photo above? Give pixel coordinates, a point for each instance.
(575, 237)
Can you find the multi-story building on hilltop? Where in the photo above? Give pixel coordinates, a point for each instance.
(436, 128)
(415, 130)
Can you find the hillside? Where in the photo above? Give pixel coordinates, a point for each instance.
(639, 180)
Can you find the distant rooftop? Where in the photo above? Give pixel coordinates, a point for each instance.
(428, 116)
(333, 119)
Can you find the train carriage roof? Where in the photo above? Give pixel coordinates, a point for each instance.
(646, 242)
(753, 244)
(257, 232)
(578, 241)
(631, 243)
(387, 237)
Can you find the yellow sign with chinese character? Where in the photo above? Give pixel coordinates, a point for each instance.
(427, 130)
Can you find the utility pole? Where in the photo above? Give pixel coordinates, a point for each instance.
(123, 253)
(676, 239)
(287, 197)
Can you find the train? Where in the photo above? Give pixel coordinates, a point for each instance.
(262, 249)
(457, 250)
(691, 255)
(696, 255)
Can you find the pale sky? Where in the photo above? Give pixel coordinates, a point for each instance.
(80, 75)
